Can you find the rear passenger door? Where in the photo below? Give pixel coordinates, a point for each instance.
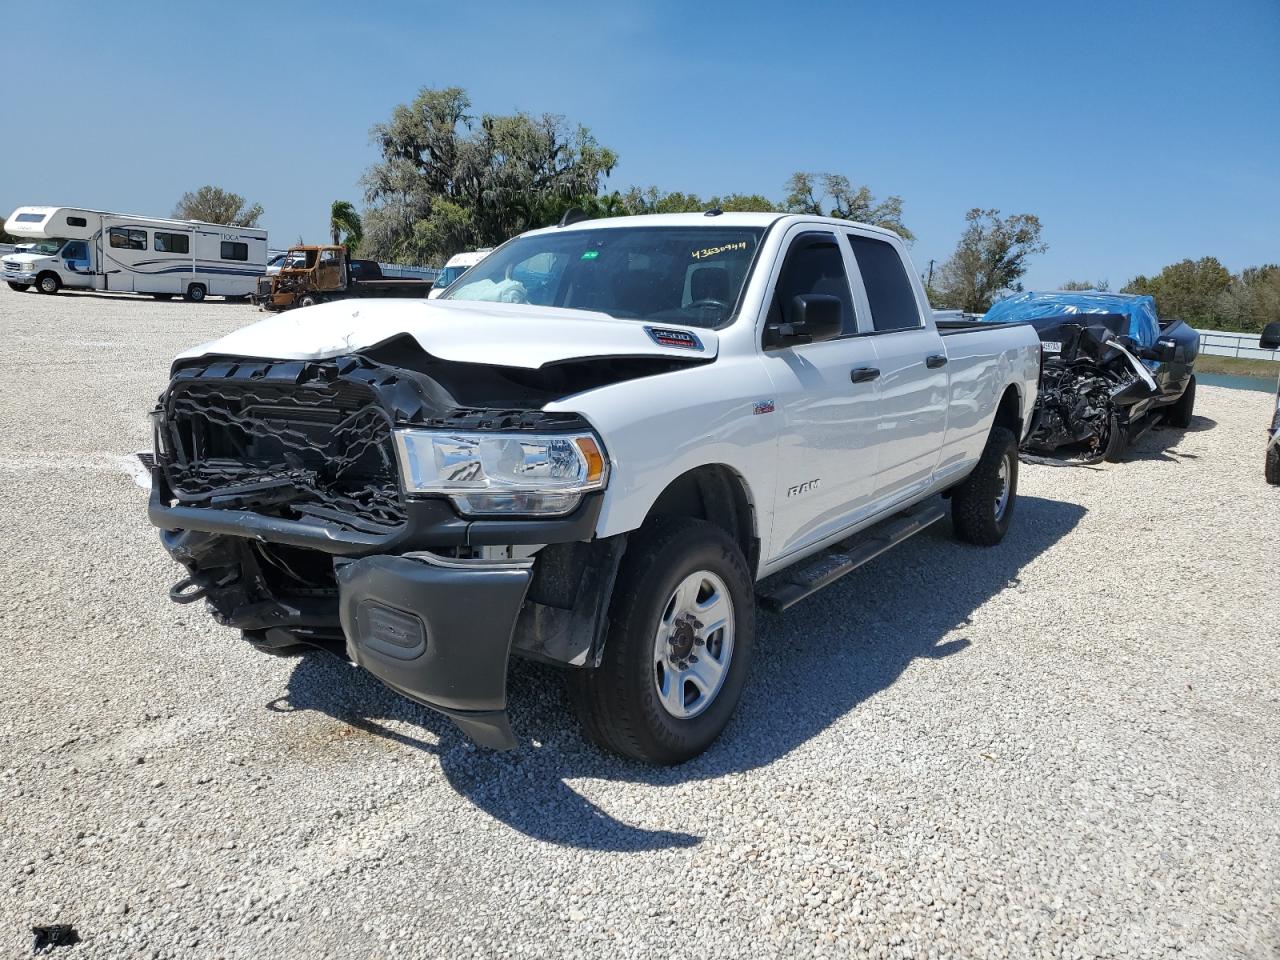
(827, 394)
(914, 382)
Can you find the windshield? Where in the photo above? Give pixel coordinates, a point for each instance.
(46, 247)
(448, 275)
(688, 275)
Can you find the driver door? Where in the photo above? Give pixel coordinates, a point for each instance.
(828, 394)
(331, 270)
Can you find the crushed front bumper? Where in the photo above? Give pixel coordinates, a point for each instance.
(438, 630)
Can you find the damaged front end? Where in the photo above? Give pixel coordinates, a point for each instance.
(1090, 385)
(279, 486)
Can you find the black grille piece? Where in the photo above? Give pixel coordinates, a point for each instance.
(293, 440)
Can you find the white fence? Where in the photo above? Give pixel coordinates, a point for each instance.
(1226, 343)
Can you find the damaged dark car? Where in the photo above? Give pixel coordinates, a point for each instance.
(1111, 370)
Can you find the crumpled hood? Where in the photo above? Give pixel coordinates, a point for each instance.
(502, 334)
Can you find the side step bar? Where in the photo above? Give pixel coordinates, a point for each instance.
(791, 586)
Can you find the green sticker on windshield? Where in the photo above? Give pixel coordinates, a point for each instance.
(590, 255)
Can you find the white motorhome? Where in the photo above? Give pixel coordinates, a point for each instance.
(458, 264)
(96, 250)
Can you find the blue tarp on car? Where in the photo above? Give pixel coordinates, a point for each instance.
(1144, 325)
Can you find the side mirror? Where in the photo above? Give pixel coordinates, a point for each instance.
(809, 318)
(1270, 339)
(1166, 350)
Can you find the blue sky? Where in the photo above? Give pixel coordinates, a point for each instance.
(1140, 133)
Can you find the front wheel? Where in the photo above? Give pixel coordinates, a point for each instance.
(20, 287)
(1113, 450)
(681, 635)
(48, 283)
(982, 506)
(1272, 466)
(1181, 412)
(308, 300)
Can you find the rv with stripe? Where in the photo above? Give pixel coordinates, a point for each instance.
(96, 250)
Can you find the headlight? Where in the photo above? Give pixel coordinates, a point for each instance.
(503, 473)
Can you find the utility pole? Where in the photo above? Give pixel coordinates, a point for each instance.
(929, 283)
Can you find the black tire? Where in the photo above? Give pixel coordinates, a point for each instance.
(195, 293)
(618, 702)
(1180, 413)
(163, 296)
(20, 287)
(308, 300)
(977, 513)
(48, 283)
(1117, 440)
(1271, 469)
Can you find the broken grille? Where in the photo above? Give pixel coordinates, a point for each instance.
(319, 450)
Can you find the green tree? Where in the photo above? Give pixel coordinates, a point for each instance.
(449, 181)
(990, 258)
(833, 195)
(1189, 290)
(215, 205)
(344, 222)
(1250, 301)
(1101, 286)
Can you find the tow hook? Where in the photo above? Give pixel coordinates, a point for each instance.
(183, 592)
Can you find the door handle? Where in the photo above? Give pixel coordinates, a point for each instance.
(863, 374)
(935, 361)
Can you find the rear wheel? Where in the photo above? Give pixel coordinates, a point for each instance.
(681, 634)
(982, 506)
(48, 283)
(20, 287)
(1181, 412)
(196, 292)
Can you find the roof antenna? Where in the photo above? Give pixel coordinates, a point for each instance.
(713, 212)
(573, 215)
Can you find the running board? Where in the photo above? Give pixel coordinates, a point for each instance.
(793, 585)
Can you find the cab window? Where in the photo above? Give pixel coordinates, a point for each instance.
(814, 264)
(75, 250)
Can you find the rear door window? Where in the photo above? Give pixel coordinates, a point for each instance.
(889, 292)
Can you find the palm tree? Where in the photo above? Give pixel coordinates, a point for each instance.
(344, 222)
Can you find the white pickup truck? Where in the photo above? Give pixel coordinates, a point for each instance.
(597, 449)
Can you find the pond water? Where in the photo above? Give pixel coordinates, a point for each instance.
(1264, 384)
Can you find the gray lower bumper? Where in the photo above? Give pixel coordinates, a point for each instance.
(437, 631)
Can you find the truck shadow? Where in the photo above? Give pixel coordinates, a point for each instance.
(1161, 442)
(812, 666)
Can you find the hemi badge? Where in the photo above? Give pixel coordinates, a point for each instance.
(762, 406)
(674, 338)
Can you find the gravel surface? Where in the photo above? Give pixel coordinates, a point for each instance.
(1062, 747)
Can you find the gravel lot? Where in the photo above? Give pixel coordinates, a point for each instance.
(1062, 747)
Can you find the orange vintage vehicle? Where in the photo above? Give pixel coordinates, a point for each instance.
(311, 275)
